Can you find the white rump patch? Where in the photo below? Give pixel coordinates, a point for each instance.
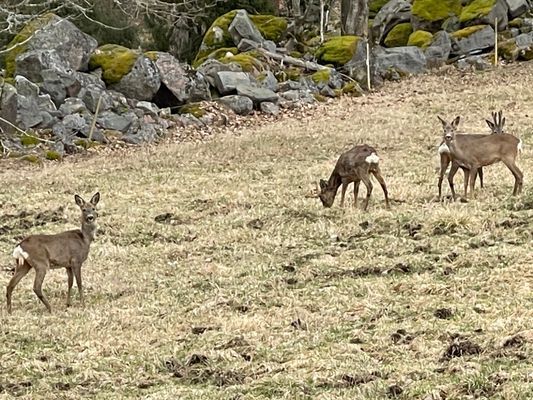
(20, 255)
(444, 149)
(520, 146)
(372, 159)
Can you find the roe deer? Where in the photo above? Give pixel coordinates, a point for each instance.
(476, 151)
(63, 250)
(496, 127)
(355, 166)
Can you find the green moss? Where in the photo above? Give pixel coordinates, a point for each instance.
(223, 22)
(29, 140)
(420, 39)
(194, 109)
(87, 144)
(375, 5)
(476, 9)
(337, 50)
(218, 54)
(431, 10)
(247, 61)
(17, 44)
(465, 32)
(32, 158)
(527, 54)
(152, 55)
(352, 88)
(296, 54)
(288, 74)
(271, 27)
(516, 23)
(321, 76)
(399, 35)
(115, 61)
(318, 97)
(508, 50)
(52, 155)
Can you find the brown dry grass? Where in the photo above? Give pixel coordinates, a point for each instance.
(255, 291)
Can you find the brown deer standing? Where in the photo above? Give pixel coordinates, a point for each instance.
(480, 151)
(63, 250)
(496, 127)
(355, 166)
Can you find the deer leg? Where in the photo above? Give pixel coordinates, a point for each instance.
(472, 177)
(343, 192)
(451, 175)
(20, 272)
(467, 180)
(356, 184)
(379, 178)
(70, 283)
(444, 162)
(369, 186)
(518, 176)
(40, 273)
(480, 173)
(77, 274)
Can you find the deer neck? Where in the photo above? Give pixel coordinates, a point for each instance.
(334, 181)
(457, 153)
(88, 230)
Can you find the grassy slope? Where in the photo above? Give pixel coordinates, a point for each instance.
(248, 254)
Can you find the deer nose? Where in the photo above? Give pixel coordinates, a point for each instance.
(90, 218)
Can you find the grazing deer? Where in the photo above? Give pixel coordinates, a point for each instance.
(355, 166)
(496, 127)
(63, 250)
(476, 151)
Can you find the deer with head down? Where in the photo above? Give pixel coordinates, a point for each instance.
(355, 166)
(496, 127)
(475, 151)
(63, 250)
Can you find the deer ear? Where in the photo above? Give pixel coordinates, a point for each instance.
(95, 199)
(490, 124)
(79, 201)
(455, 122)
(323, 184)
(441, 120)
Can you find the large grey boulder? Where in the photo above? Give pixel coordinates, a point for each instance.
(116, 122)
(142, 82)
(59, 85)
(242, 27)
(403, 60)
(145, 133)
(92, 94)
(226, 82)
(73, 105)
(439, 50)
(390, 15)
(480, 39)
(268, 80)
(86, 79)
(499, 10)
(8, 108)
(30, 64)
(517, 7)
(241, 105)
(257, 94)
(210, 67)
(33, 109)
(72, 46)
(269, 108)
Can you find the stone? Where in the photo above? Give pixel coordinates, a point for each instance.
(72, 105)
(142, 82)
(90, 95)
(390, 15)
(517, 7)
(404, 60)
(59, 85)
(31, 63)
(257, 94)
(470, 15)
(471, 39)
(269, 108)
(116, 122)
(146, 133)
(242, 27)
(241, 105)
(438, 51)
(210, 67)
(8, 109)
(226, 82)
(268, 80)
(148, 108)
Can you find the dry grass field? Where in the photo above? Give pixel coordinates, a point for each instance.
(214, 275)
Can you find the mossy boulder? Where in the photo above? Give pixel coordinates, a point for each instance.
(485, 12)
(218, 36)
(116, 61)
(375, 5)
(51, 33)
(218, 54)
(399, 35)
(431, 10)
(337, 50)
(420, 39)
(321, 76)
(472, 38)
(248, 61)
(468, 31)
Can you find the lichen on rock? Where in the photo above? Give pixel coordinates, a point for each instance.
(115, 61)
(431, 10)
(399, 35)
(420, 39)
(337, 50)
(476, 9)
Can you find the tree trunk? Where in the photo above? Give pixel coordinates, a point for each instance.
(354, 17)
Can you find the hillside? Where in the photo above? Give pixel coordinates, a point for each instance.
(247, 288)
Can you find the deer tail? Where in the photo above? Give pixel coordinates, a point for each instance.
(20, 255)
